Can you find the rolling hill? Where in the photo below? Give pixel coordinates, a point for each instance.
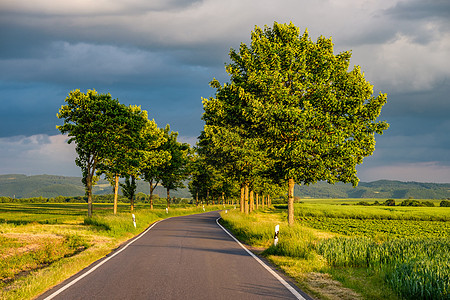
(22, 186)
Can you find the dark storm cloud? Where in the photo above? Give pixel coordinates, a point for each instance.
(421, 9)
(162, 54)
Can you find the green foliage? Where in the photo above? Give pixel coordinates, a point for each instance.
(410, 202)
(172, 173)
(292, 112)
(444, 203)
(316, 118)
(129, 187)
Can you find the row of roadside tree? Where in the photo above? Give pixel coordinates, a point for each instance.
(291, 113)
(116, 141)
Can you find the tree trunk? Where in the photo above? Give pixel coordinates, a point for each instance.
(116, 192)
(89, 195)
(257, 201)
(151, 193)
(196, 199)
(168, 198)
(223, 198)
(246, 199)
(262, 200)
(241, 202)
(252, 201)
(133, 181)
(291, 202)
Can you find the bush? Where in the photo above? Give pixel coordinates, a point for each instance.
(410, 202)
(428, 203)
(389, 202)
(445, 203)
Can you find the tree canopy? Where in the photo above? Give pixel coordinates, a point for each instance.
(110, 138)
(314, 118)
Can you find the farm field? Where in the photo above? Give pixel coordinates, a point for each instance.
(378, 252)
(42, 244)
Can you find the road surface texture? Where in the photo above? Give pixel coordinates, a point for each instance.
(189, 257)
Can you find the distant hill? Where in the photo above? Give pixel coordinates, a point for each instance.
(376, 189)
(22, 186)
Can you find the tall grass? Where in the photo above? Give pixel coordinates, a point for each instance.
(294, 241)
(415, 268)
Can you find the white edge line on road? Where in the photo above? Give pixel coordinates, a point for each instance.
(63, 288)
(283, 282)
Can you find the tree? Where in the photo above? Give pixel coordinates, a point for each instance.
(174, 171)
(90, 121)
(144, 140)
(226, 143)
(129, 189)
(316, 118)
(152, 170)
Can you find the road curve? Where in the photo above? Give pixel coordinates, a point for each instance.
(187, 257)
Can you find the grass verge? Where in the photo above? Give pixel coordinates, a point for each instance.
(37, 255)
(333, 266)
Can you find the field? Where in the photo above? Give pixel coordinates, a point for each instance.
(336, 250)
(379, 252)
(42, 244)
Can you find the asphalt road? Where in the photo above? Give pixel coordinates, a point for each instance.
(187, 257)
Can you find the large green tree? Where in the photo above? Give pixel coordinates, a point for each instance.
(317, 119)
(90, 120)
(227, 144)
(174, 171)
(141, 150)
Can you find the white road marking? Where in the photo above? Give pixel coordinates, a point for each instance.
(283, 282)
(65, 287)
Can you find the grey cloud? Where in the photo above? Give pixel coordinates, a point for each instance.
(162, 54)
(101, 64)
(421, 9)
(430, 104)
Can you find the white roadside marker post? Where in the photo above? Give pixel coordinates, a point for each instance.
(134, 220)
(167, 210)
(203, 208)
(275, 238)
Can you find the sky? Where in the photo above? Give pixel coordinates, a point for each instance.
(162, 54)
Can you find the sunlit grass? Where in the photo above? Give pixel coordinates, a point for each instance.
(42, 244)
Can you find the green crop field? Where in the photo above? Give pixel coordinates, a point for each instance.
(389, 252)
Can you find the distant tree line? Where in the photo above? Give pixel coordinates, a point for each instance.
(139, 198)
(407, 202)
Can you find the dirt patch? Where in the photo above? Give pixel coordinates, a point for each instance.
(255, 250)
(324, 285)
(30, 242)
